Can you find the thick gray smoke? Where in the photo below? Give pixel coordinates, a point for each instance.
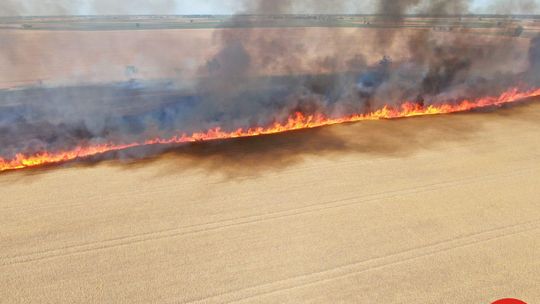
(265, 68)
(439, 66)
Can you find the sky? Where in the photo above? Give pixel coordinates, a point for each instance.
(186, 7)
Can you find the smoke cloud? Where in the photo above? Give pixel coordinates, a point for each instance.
(183, 7)
(259, 71)
(85, 7)
(513, 7)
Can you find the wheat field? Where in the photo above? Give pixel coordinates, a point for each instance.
(438, 209)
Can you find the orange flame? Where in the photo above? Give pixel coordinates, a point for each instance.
(295, 122)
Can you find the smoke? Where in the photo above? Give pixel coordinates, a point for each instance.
(168, 7)
(534, 60)
(438, 66)
(511, 7)
(85, 7)
(20, 8)
(262, 69)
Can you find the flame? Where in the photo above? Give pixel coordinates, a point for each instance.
(295, 122)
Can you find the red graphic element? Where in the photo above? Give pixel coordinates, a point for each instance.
(509, 301)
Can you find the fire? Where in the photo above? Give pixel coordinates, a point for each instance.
(295, 122)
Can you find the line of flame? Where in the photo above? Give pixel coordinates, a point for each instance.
(295, 122)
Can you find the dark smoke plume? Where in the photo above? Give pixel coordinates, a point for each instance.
(262, 72)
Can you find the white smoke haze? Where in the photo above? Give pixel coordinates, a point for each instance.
(507, 7)
(172, 7)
